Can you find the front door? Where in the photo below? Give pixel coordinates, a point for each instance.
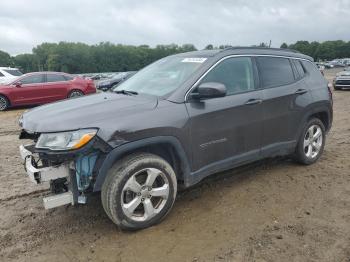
(227, 130)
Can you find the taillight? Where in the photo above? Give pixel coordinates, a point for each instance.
(91, 84)
(330, 87)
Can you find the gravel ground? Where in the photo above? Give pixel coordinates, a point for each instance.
(273, 210)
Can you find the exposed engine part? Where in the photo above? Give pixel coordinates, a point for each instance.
(59, 185)
(84, 166)
(82, 199)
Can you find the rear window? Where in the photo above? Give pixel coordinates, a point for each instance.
(311, 68)
(13, 72)
(275, 71)
(55, 78)
(299, 69)
(68, 77)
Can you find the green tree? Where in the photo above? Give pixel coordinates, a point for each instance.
(284, 45)
(5, 59)
(25, 62)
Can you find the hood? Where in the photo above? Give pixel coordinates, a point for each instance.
(343, 73)
(7, 80)
(85, 112)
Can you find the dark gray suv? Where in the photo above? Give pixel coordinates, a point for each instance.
(174, 123)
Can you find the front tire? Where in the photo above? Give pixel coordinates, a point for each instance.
(139, 191)
(311, 142)
(4, 103)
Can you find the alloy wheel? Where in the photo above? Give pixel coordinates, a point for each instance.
(3, 103)
(75, 94)
(313, 141)
(145, 194)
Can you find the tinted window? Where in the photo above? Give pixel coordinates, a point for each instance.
(55, 78)
(299, 69)
(68, 77)
(275, 71)
(32, 79)
(311, 68)
(1, 74)
(235, 73)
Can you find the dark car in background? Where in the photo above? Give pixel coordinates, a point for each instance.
(172, 124)
(107, 84)
(43, 87)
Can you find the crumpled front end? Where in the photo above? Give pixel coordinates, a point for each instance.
(70, 174)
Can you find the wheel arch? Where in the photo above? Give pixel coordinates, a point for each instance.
(322, 112)
(324, 117)
(167, 147)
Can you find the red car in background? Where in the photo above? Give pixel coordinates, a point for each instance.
(43, 87)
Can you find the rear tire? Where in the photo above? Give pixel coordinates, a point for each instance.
(75, 93)
(139, 191)
(311, 142)
(4, 103)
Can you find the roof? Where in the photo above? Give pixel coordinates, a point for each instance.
(4, 67)
(46, 72)
(248, 51)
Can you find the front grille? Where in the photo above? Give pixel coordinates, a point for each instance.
(342, 82)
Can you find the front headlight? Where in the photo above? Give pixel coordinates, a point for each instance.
(65, 140)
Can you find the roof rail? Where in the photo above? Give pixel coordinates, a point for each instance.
(260, 47)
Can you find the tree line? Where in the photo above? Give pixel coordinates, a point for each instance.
(83, 58)
(327, 50)
(107, 57)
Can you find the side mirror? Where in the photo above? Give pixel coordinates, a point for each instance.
(210, 90)
(18, 84)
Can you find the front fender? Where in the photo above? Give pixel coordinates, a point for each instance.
(120, 151)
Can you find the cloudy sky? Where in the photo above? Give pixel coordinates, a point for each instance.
(27, 23)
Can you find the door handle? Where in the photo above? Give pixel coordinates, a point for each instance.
(253, 102)
(300, 91)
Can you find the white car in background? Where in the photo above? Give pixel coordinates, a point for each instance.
(7, 74)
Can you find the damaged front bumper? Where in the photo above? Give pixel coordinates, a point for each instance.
(70, 178)
(45, 174)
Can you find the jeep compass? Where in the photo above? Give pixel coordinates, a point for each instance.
(172, 124)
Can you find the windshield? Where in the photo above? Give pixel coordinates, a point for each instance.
(13, 72)
(162, 77)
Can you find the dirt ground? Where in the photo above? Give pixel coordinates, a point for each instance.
(274, 210)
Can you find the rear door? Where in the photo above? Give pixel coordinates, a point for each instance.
(55, 87)
(227, 130)
(29, 91)
(285, 97)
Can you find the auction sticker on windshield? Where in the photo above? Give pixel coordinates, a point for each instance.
(194, 60)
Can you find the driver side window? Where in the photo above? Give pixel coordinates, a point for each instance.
(32, 79)
(235, 73)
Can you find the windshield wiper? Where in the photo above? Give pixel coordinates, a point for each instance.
(125, 92)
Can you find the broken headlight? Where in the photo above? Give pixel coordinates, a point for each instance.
(65, 140)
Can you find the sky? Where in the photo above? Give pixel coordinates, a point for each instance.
(27, 23)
